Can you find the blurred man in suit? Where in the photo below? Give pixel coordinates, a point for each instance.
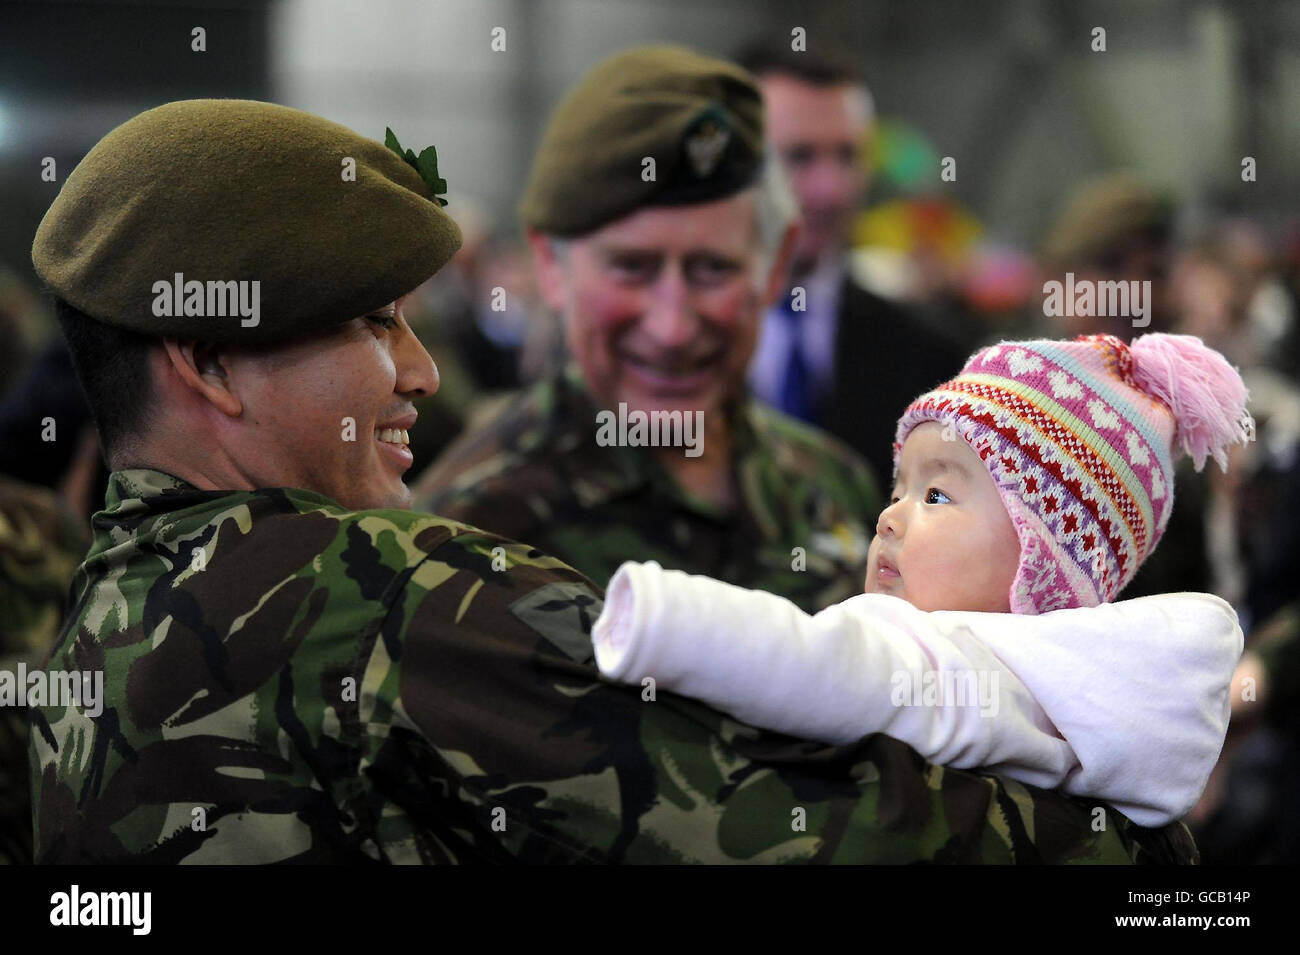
(831, 352)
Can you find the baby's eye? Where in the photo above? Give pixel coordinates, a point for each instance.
(930, 494)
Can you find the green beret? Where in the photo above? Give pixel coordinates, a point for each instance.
(198, 194)
(699, 118)
(1105, 213)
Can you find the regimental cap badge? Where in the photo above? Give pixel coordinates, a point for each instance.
(426, 164)
(706, 141)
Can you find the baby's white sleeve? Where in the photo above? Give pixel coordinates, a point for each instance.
(1126, 702)
(872, 664)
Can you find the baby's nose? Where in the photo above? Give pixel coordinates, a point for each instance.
(887, 522)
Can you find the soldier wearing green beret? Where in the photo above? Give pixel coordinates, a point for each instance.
(296, 667)
(660, 235)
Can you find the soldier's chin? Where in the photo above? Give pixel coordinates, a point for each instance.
(701, 390)
(685, 384)
(400, 499)
(383, 492)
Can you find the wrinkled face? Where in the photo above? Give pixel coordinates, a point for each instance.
(820, 133)
(298, 400)
(945, 542)
(661, 308)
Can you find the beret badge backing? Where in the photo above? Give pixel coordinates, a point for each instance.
(706, 140)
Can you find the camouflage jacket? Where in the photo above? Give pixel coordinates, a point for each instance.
(287, 680)
(40, 547)
(807, 505)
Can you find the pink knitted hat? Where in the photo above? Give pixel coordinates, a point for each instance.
(1079, 438)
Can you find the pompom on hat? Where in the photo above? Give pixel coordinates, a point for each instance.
(1079, 437)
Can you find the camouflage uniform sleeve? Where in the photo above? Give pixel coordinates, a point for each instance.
(864, 487)
(826, 464)
(483, 681)
(855, 477)
(493, 505)
(40, 547)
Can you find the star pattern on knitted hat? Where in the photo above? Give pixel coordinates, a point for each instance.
(426, 164)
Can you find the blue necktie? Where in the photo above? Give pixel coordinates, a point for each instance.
(796, 397)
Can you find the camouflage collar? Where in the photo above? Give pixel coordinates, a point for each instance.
(140, 484)
(570, 427)
(137, 490)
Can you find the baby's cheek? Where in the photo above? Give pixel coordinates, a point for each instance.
(1004, 556)
(988, 577)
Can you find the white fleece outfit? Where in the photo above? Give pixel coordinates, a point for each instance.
(1126, 702)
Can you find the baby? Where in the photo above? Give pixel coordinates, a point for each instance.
(1027, 492)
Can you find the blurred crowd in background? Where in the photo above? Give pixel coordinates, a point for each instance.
(873, 201)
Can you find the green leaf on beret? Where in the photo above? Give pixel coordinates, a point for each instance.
(426, 164)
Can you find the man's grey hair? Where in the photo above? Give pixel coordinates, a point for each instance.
(776, 205)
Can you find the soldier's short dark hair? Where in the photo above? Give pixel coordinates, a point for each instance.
(112, 365)
(825, 67)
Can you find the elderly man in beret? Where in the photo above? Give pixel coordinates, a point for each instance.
(296, 667)
(660, 234)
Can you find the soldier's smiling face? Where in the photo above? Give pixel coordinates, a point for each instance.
(369, 371)
(325, 413)
(661, 307)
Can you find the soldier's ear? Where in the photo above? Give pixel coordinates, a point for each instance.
(203, 368)
(549, 266)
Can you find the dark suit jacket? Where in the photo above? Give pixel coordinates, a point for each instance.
(884, 357)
